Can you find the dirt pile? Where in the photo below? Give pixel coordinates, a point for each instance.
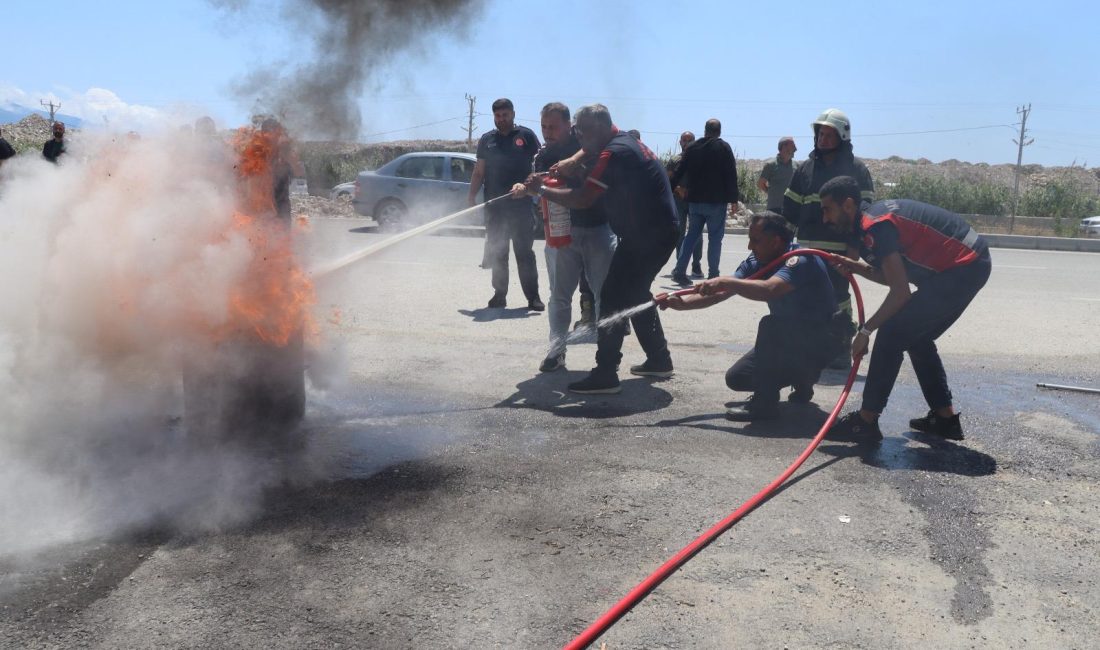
(28, 134)
(319, 206)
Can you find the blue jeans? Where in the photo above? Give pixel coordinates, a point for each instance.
(590, 254)
(713, 216)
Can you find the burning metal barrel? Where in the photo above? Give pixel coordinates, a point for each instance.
(252, 382)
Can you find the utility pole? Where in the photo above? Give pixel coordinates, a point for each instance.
(470, 123)
(52, 108)
(1022, 142)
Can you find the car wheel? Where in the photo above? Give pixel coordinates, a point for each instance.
(390, 214)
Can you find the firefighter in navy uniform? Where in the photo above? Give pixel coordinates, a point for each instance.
(794, 341)
(630, 186)
(906, 242)
(832, 157)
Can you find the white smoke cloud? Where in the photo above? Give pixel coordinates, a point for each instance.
(118, 264)
(97, 107)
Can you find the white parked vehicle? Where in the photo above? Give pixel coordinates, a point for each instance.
(1090, 226)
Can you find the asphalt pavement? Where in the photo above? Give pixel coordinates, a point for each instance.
(445, 494)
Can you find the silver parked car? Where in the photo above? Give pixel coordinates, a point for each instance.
(415, 188)
(342, 191)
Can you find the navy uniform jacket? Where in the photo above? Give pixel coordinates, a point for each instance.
(812, 300)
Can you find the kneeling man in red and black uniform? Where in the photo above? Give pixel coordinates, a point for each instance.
(906, 242)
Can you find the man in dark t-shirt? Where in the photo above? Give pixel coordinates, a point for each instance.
(504, 158)
(794, 341)
(631, 186)
(53, 149)
(903, 243)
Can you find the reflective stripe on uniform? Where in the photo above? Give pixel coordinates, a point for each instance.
(792, 195)
(824, 245)
(971, 238)
(868, 195)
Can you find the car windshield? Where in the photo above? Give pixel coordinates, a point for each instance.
(423, 167)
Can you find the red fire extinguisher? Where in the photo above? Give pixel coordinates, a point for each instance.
(555, 218)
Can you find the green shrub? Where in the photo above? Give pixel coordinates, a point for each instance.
(955, 195)
(1063, 200)
(746, 183)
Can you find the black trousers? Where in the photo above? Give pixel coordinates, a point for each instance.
(512, 222)
(933, 308)
(788, 351)
(632, 271)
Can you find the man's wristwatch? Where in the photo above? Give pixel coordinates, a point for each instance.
(864, 331)
(541, 191)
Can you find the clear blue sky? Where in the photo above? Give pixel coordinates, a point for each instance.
(765, 69)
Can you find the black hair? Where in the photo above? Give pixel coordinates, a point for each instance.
(557, 107)
(503, 102)
(840, 188)
(774, 224)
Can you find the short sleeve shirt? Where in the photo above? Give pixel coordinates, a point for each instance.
(507, 158)
(636, 195)
(811, 300)
(778, 176)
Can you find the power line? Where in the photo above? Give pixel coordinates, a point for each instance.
(418, 126)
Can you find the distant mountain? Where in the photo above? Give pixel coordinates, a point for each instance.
(15, 113)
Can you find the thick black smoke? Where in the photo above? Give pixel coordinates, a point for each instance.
(344, 43)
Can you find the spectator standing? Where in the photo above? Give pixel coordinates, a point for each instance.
(504, 157)
(678, 193)
(776, 175)
(630, 185)
(55, 147)
(709, 172)
(832, 157)
(6, 150)
(285, 165)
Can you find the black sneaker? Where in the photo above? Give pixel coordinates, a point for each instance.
(697, 272)
(653, 369)
(752, 412)
(536, 304)
(550, 364)
(853, 428)
(597, 383)
(949, 428)
(498, 302)
(801, 394)
(681, 280)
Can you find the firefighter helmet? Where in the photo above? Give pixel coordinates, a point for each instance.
(838, 120)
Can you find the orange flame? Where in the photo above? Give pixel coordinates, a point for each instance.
(273, 300)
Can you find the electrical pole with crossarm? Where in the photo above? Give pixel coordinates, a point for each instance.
(1023, 111)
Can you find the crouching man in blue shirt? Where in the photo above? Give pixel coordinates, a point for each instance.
(794, 341)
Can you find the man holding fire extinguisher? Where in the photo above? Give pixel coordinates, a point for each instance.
(579, 243)
(629, 184)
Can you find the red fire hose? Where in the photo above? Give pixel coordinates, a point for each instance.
(604, 623)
